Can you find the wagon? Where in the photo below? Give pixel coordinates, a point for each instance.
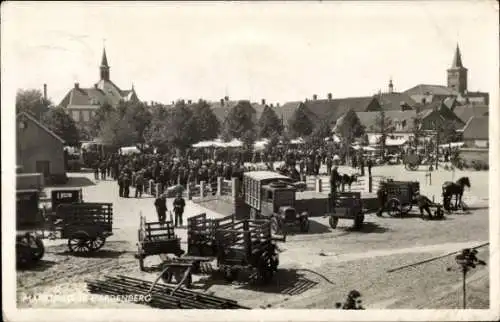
(346, 205)
(156, 238)
(29, 220)
(85, 225)
(271, 196)
(400, 196)
(412, 161)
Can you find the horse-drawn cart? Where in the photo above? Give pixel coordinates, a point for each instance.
(85, 225)
(347, 205)
(156, 238)
(400, 196)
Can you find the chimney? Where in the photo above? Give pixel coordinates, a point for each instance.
(226, 98)
(45, 91)
(189, 102)
(95, 86)
(263, 101)
(272, 105)
(151, 103)
(221, 102)
(329, 96)
(278, 104)
(315, 97)
(77, 85)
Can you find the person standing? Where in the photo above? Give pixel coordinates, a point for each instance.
(423, 204)
(161, 208)
(179, 204)
(139, 184)
(329, 164)
(334, 180)
(120, 184)
(382, 200)
(126, 185)
(362, 166)
(96, 169)
(369, 165)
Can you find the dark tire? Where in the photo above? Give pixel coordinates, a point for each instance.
(394, 208)
(167, 277)
(333, 221)
(358, 221)
(39, 251)
(304, 225)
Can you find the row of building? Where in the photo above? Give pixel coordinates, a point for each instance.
(453, 103)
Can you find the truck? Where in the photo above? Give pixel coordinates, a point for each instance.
(271, 196)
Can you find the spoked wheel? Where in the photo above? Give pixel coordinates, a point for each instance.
(333, 221)
(79, 243)
(37, 248)
(96, 243)
(265, 269)
(29, 249)
(394, 208)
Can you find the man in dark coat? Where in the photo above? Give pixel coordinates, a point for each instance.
(120, 184)
(127, 181)
(179, 205)
(334, 179)
(369, 165)
(423, 204)
(161, 208)
(139, 184)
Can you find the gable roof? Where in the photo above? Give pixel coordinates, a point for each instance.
(96, 95)
(466, 112)
(427, 89)
(405, 118)
(39, 124)
(331, 110)
(393, 101)
(476, 128)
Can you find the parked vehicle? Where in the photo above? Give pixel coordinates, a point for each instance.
(346, 205)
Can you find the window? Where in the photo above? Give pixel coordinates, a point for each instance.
(86, 116)
(76, 116)
(269, 196)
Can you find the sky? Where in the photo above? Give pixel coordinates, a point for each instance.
(275, 51)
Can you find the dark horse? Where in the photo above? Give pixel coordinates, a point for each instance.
(345, 179)
(456, 189)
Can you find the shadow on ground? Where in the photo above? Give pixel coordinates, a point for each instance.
(97, 254)
(314, 228)
(75, 182)
(366, 228)
(39, 266)
(286, 282)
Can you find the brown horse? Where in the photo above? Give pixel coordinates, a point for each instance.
(456, 189)
(346, 179)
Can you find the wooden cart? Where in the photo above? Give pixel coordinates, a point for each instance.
(155, 238)
(400, 196)
(201, 234)
(85, 225)
(347, 205)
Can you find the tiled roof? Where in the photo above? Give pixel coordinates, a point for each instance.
(393, 101)
(476, 128)
(103, 92)
(331, 110)
(38, 123)
(426, 89)
(466, 112)
(405, 118)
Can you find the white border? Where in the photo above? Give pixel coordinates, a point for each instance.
(9, 277)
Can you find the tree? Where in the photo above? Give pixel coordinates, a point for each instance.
(417, 129)
(269, 123)
(61, 124)
(239, 120)
(349, 127)
(101, 115)
(32, 101)
(207, 124)
(248, 139)
(300, 124)
(448, 132)
(317, 137)
(116, 131)
(384, 127)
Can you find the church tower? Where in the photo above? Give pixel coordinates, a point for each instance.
(457, 74)
(104, 67)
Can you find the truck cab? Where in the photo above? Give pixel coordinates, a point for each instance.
(271, 195)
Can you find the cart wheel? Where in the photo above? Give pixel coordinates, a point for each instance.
(405, 209)
(39, 250)
(358, 221)
(265, 269)
(394, 208)
(24, 255)
(79, 242)
(413, 166)
(275, 226)
(97, 243)
(178, 274)
(304, 225)
(333, 221)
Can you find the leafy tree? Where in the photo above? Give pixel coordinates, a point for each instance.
(101, 115)
(417, 129)
(116, 131)
(239, 120)
(248, 139)
(32, 101)
(349, 127)
(62, 124)
(300, 124)
(207, 124)
(384, 127)
(448, 132)
(269, 123)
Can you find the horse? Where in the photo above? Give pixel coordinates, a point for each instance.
(456, 189)
(346, 179)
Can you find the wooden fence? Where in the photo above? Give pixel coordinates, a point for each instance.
(202, 190)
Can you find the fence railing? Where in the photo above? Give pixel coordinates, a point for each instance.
(362, 184)
(202, 190)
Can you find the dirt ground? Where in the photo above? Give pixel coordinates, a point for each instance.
(316, 269)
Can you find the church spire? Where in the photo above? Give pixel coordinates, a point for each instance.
(457, 59)
(104, 66)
